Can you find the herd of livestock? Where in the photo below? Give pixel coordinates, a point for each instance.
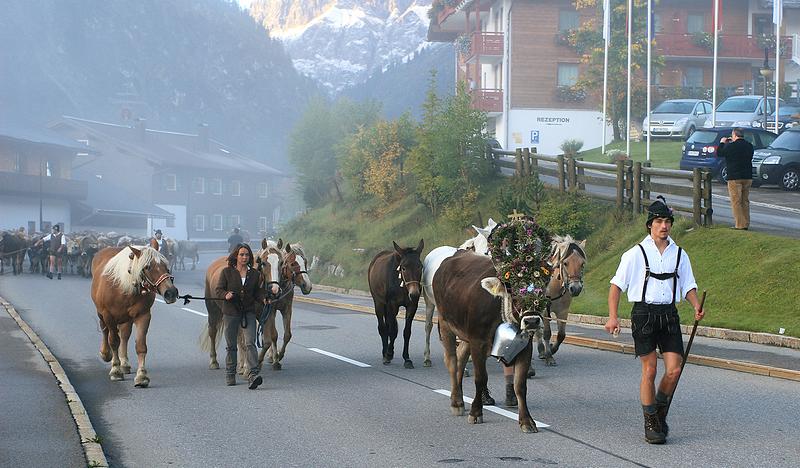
(18, 248)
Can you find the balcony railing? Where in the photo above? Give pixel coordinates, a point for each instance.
(486, 43)
(22, 184)
(487, 100)
(729, 46)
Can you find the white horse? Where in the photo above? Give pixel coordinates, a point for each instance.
(568, 258)
(479, 243)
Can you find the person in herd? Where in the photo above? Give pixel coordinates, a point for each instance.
(656, 274)
(58, 246)
(158, 237)
(242, 287)
(234, 239)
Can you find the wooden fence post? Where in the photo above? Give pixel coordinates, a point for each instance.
(637, 188)
(518, 161)
(581, 185)
(646, 182)
(697, 195)
(707, 195)
(561, 175)
(620, 185)
(534, 162)
(572, 178)
(628, 184)
(526, 161)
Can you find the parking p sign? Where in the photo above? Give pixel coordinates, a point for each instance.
(534, 137)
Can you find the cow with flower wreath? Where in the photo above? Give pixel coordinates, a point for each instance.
(476, 294)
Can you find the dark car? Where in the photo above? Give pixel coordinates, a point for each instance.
(700, 150)
(789, 117)
(779, 163)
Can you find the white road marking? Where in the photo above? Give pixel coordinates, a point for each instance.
(341, 358)
(161, 300)
(194, 312)
(762, 204)
(494, 409)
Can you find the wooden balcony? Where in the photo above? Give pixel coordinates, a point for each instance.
(730, 47)
(487, 45)
(488, 100)
(12, 183)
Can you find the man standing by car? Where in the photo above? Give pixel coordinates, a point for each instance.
(738, 154)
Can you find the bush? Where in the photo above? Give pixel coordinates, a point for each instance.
(569, 213)
(571, 147)
(615, 155)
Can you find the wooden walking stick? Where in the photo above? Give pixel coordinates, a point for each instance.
(686, 353)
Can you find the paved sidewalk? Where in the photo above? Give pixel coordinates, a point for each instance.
(734, 355)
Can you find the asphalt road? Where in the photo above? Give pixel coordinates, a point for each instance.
(323, 411)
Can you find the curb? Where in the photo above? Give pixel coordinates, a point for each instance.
(92, 450)
(738, 366)
(769, 339)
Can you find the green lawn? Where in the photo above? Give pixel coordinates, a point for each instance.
(663, 153)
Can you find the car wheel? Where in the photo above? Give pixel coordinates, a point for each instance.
(689, 132)
(723, 174)
(791, 179)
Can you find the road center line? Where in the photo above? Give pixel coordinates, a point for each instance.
(194, 312)
(341, 358)
(494, 409)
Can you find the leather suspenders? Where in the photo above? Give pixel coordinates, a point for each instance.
(661, 276)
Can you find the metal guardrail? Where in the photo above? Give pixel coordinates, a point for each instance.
(633, 181)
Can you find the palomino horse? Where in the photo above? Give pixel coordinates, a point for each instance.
(568, 259)
(267, 265)
(124, 293)
(394, 280)
(465, 286)
(478, 244)
(292, 272)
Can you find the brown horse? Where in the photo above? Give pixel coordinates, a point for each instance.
(465, 286)
(292, 272)
(394, 280)
(123, 294)
(266, 263)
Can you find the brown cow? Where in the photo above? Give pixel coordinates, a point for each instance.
(468, 310)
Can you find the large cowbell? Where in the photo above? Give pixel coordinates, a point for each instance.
(508, 343)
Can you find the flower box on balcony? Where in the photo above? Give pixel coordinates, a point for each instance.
(570, 94)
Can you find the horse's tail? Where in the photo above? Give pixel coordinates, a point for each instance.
(205, 339)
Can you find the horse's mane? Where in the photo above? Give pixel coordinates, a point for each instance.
(298, 249)
(560, 247)
(116, 270)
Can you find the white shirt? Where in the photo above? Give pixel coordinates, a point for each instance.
(631, 270)
(49, 236)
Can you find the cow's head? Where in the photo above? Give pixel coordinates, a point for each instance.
(528, 321)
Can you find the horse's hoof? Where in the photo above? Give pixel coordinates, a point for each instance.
(106, 357)
(276, 366)
(457, 410)
(550, 362)
(542, 357)
(386, 360)
(143, 382)
(426, 363)
(475, 419)
(126, 369)
(531, 372)
(116, 375)
(408, 364)
(213, 365)
(529, 428)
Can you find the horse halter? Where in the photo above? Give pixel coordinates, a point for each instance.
(402, 279)
(260, 267)
(566, 279)
(147, 285)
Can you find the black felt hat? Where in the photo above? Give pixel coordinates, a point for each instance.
(659, 209)
(158, 231)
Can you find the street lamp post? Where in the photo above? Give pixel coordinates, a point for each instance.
(765, 72)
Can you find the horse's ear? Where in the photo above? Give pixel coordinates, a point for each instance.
(288, 248)
(420, 246)
(280, 243)
(397, 249)
(264, 243)
(582, 244)
(135, 251)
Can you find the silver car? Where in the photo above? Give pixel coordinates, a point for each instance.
(676, 118)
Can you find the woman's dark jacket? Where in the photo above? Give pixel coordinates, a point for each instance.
(739, 158)
(245, 297)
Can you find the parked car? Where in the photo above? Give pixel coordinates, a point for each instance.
(676, 118)
(788, 118)
(779, 163)
(700, 150)
(741, 111)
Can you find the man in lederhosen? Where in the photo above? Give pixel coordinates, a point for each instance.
(657, 274)
(57, 249)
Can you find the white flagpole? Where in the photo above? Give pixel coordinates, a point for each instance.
(649, 51)
(607, 38)
(777, 18)
(628, 117)
(714, 73)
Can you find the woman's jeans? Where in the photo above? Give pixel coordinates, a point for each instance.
(233, 324)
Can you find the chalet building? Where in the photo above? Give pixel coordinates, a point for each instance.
(36, 184)
(520, 69)
(188, 185)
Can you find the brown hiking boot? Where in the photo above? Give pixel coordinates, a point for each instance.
(255, 381)
(486, 398)
(511, 397)
(230, 379)
(652, 429)
(661, 411)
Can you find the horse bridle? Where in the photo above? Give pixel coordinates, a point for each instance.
(403, 282)
(260, 269)
(566, 279)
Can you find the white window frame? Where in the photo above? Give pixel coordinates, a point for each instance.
(201, 186)
(265, 192)
(236, 220)
(236, 188)
(214, 219)
(173, 186)
(558, 73)
(199, 223)
(219, 186)
(262, 223)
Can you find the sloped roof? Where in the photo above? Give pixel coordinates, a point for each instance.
(102, 199)
(14, 129)
(173, 148)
